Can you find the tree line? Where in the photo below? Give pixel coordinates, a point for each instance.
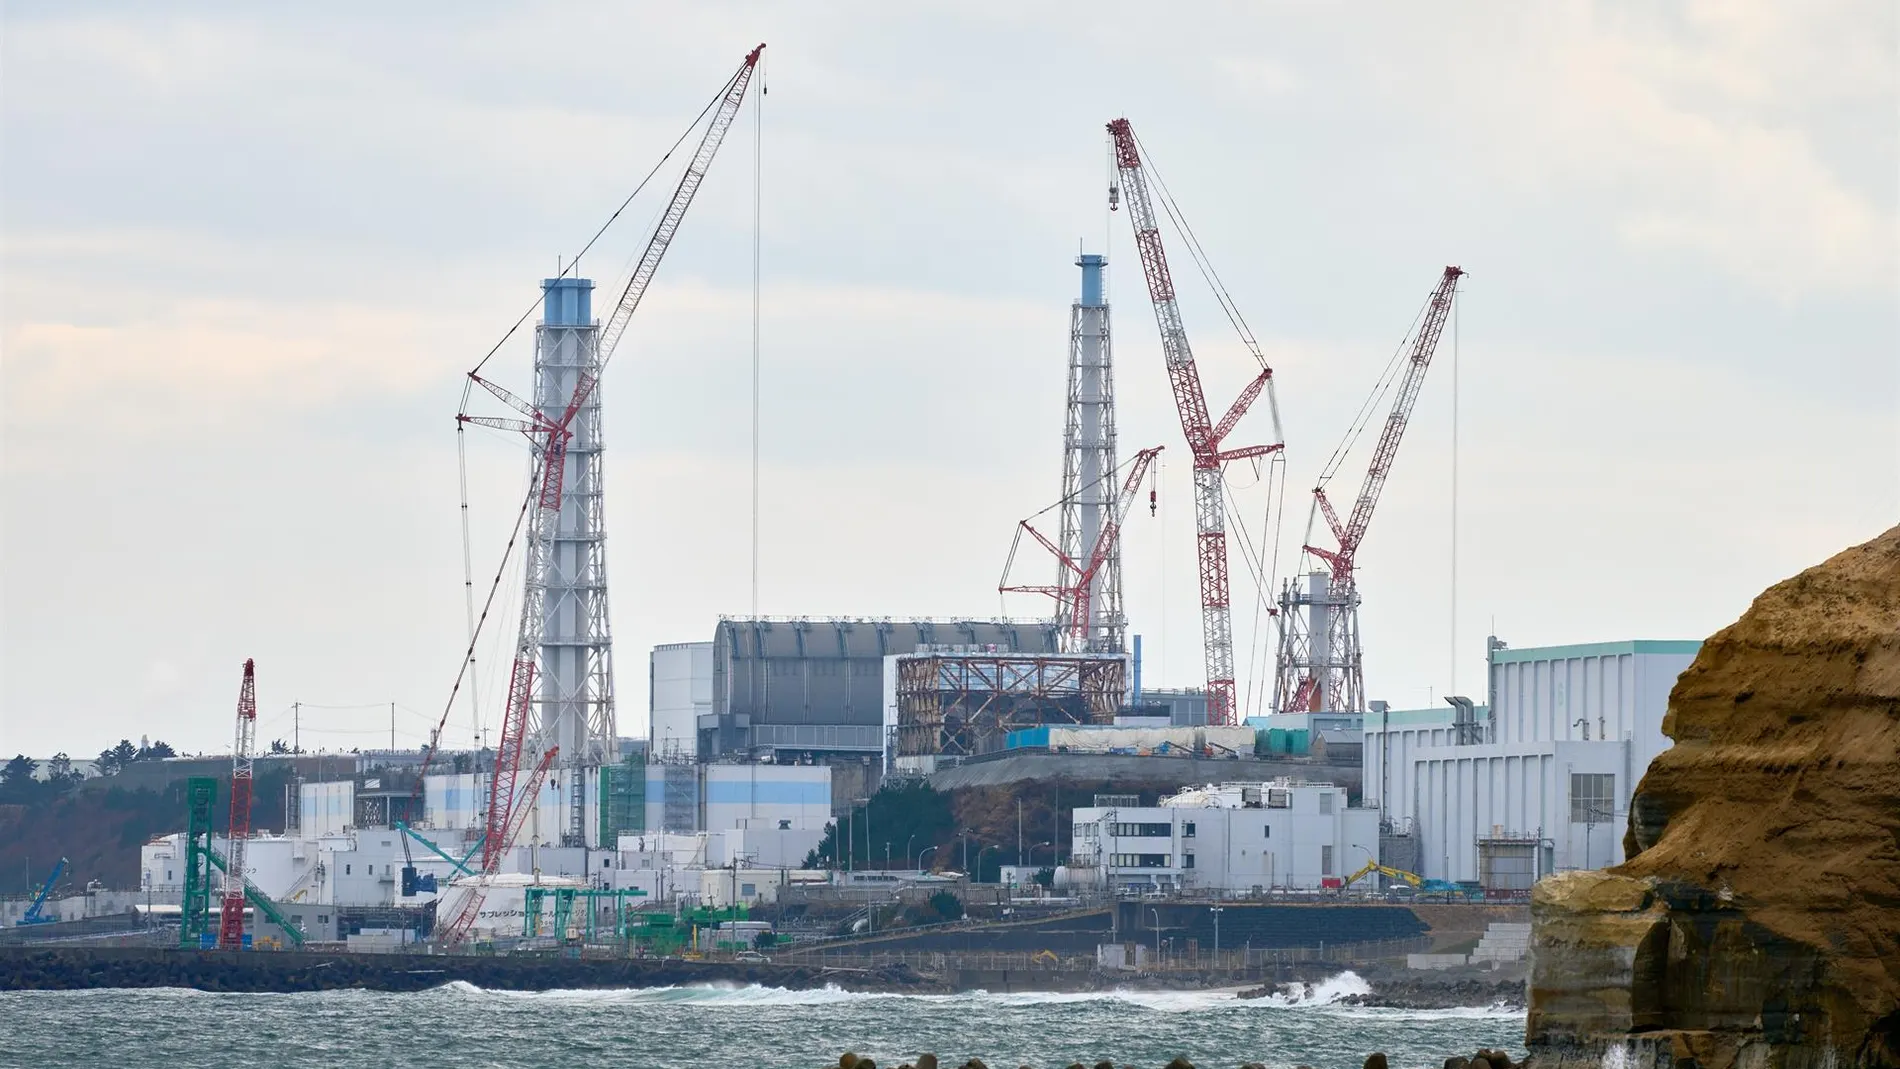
(20, 781)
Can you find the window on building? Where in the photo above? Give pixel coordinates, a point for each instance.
(1267, 832)
(346, 870)
(1127, 831)
(1187, 830)
(1187, 861)
(1325, 858)
(1592, 797)
(323, 918)
(748, 890)
(1325, 804)
(168, 875)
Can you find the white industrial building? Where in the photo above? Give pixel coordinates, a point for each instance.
(1240, 838)
(1539, 778)
(680, 691)
(700, 816)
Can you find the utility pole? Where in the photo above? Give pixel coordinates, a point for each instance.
(296, 727)
(1019, 831)
(392, 727)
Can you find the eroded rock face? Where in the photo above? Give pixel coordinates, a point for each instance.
(1757, 920)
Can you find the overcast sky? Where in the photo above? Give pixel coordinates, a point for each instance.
(251, 249)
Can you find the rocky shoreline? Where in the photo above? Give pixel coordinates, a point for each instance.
(1410, 989)
(1481, 1059)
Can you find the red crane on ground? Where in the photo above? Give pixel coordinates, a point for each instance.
(1204, 436)
(231, 917)
(1072, 592)
(1340, 685)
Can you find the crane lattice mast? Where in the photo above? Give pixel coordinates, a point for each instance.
(231, 916)
(1331, 674)
(1204, 436)
(551, 437)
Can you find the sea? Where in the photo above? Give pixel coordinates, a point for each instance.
(700, 1026)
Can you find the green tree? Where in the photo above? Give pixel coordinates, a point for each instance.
(17, 784)
(112, 761)
(157, 751)
(946, 906)
(19, 770)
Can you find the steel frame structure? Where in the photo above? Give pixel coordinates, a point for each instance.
(1078, 571)
(201, 793)
(1093, 617)
(553, 438)
(1204, 436)
(948, 702)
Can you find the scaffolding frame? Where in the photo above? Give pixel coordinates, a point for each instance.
(948, 703)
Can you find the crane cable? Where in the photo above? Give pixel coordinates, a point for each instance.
(1380, 388)
(1274, 517)
(468, 576)
(684, 134)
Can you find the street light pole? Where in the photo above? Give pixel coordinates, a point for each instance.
(921, 854)
(1216, 911)
(866, 803)
(1157, 916)
(907, 842)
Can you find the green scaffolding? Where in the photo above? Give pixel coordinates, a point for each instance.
(201, 792)
(623, 799)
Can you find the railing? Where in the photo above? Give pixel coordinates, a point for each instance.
(1238, 960)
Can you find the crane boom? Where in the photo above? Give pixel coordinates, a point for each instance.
(676, 210)
(1077, 577)
(1203, 435)
(1334, 676)
(552, 439)
(1353, 532)
(231, 917)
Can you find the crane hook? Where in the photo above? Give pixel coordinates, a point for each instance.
(1151, 502)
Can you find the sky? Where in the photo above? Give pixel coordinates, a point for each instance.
(251, 250)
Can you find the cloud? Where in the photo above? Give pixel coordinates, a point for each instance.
(1697, 128)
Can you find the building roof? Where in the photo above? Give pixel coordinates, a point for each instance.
(1676, 647)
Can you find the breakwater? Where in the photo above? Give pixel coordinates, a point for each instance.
(82, 968)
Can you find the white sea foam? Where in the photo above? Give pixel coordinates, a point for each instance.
(1321, 993)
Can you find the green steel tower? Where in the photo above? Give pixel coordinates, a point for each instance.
(200, 793)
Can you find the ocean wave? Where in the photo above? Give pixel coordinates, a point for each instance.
(749, 995)
(1319, 993)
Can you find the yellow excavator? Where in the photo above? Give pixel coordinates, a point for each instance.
(1420, 883)
(1387, 871)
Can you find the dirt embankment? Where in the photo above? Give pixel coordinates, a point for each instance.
(1757, 921)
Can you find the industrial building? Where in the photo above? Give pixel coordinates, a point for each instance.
(1536, 780)
(793, 689)
(679, 692)
(1236, 838)
(347, 852)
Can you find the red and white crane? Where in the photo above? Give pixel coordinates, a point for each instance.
(231, 916)
(1330, 673)
(550, 436)
(1204, 436)
(1076, 578)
